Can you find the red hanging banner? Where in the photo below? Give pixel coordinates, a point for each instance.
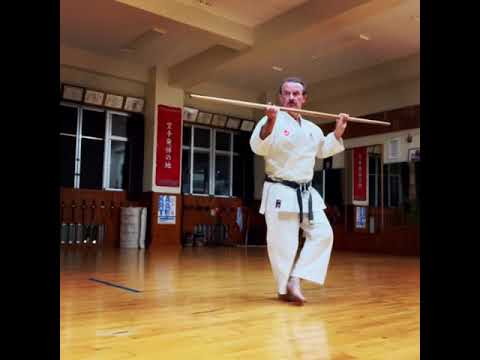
(169, 130)
(360, 179)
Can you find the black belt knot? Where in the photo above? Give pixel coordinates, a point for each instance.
(300, 188)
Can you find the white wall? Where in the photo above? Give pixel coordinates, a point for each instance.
(102, 64)
(149, 138)
(384, 139)
(387, 86)
(392, 96)
(211, 89)
(380, 139)
(96, 81)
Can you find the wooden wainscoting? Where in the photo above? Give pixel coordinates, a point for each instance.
(398, 237)
(257, 229)
(399, 240)
(215, 210)
(82, 206)
(165, 234)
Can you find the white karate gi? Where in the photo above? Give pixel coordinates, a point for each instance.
(290, 152)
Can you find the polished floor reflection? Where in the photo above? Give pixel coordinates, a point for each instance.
(220, 303)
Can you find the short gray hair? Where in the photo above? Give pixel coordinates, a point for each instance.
(295, 80)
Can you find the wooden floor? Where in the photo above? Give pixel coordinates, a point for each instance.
(220, 303)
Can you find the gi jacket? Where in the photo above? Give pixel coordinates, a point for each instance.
(290, 152)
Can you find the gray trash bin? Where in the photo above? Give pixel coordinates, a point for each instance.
(133, 225)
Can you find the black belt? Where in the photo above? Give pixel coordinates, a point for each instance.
(300, 188)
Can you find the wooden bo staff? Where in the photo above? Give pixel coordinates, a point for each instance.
(300, 111)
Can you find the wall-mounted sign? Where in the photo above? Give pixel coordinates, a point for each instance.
(134, 104)
(73, 93)
(114, 101)
(94, 97)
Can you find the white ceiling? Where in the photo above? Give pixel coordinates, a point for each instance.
(317, 55)
(317, 40)
(246, 12)
(106, 26)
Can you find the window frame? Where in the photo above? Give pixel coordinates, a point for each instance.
(212, 151)
(108, 146)
(389, 184)
(376, 158)
(76, 171)
(107, 139)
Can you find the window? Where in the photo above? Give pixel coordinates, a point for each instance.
(241, 155)
(374, 191)
(201, 160)
(328, 183)
(318, 182)
(223, 159)
(222, 174)
(212, 166)
(69, 120)
(238, 180)
(67, 160)
(201, 172)
(396, 193)
(93, 147)
(186, 170)
(116, 150)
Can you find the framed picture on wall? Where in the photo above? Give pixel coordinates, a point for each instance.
(393, 147)
(189, 114)
(134, 104)
(114, 101)
(414, 154)
(204, 118)
(219, 120)
(74, 93)
(233, 123)
(94, 97)
(247, 125)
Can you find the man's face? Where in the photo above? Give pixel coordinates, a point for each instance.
(292, 95)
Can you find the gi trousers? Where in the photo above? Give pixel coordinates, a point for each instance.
(282, 245)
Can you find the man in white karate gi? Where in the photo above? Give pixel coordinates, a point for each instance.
(290, 145)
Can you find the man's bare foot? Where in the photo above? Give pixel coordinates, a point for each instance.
(294, 292)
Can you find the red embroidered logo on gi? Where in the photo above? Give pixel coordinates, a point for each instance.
(286, 132)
